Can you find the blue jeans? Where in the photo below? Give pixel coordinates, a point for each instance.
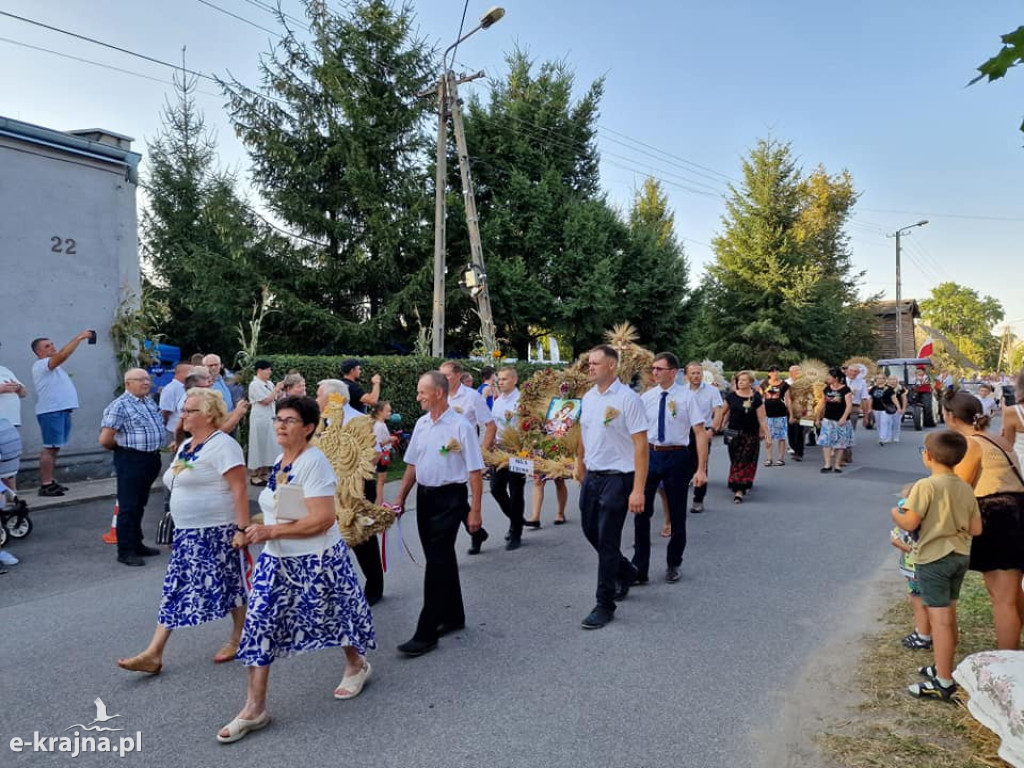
(136, 472)
(675, 470)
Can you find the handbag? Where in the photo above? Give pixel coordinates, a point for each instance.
(890, 409)
(165, 531)
(728, 435)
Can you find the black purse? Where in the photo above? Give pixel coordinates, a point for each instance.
(165, 530)
(728, 435)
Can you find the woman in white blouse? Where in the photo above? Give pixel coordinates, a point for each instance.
(210, 507)
(305, 595)
(262, 445)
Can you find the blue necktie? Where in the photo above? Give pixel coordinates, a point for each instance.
(661, 417)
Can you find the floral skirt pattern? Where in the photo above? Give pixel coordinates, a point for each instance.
(834, 436)
(743, 452)
(304, 603)
(778, 427)
(204, 577)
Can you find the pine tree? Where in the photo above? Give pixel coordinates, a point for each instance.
(335, 134)
(199, 241)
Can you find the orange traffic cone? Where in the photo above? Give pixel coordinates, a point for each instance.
(111, 536)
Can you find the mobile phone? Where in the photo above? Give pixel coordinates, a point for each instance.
(92, 337)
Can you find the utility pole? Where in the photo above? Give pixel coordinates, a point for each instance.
(899, 285)
(478, 281)
(440, 185)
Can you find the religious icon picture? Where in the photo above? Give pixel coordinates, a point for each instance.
(562, 414)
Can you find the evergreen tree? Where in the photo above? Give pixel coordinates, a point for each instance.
(782, 285)
(335, 134)
(655, 274)
(200, 243)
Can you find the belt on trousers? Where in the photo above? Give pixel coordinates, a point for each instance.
(440, 488)
(660, 448)
(606, 472)
(135, 450)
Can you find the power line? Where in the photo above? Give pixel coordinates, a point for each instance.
(946, 215)
(462, 24)
(669, 154)
(226, 12)
(109, 45)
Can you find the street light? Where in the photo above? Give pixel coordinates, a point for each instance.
(899, 285)
(447, 94)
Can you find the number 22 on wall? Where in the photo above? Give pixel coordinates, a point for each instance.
(64, 245)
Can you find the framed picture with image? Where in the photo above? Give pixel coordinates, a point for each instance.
(562, 414)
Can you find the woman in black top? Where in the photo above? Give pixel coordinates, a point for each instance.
(833, 420)
(776, 410)
(883, 405)
(745, 427)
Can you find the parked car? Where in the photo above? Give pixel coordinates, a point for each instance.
(919, 404)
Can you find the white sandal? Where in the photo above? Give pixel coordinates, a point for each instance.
(353, 684)
(239, 728)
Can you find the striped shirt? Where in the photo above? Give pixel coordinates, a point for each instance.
(136, 421)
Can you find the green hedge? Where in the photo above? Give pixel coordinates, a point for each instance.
(399, 375)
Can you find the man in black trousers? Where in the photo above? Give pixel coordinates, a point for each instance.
(507, 488)
(445, 460)
(612, 468)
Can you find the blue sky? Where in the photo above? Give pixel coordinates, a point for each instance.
(876, 87)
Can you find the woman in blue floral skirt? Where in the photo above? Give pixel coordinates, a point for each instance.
(305, 594)
(210, 507)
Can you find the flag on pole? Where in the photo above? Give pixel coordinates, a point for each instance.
(928, 348)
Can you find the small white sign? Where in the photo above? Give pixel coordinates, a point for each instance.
(520, 466)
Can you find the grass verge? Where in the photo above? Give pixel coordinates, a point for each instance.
(890, 728)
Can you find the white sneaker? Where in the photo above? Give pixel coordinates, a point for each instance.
(6, 558)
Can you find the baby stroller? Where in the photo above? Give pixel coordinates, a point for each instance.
(14, 519)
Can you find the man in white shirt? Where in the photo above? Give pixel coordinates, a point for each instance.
(711, 406)
(11, 393)
(796, 430)
(442, 458)
(673, 415)
(507, 487)
(56, 399)
(612, 468)
(988, 400)
(857, 381)
(172, 397)
(468, 402)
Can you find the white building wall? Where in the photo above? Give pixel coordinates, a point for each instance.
(68, 257)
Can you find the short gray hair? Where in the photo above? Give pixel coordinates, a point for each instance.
(437, 379)
(198, 372)
(334, 387)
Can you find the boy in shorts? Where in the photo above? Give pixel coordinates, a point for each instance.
(943, 511)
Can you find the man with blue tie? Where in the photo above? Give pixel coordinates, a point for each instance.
(671, 412)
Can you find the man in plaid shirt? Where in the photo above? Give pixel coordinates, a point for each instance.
(133, 429)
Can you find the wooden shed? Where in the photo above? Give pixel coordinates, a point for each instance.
(887, 318)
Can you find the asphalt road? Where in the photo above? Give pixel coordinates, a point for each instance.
(691, 674)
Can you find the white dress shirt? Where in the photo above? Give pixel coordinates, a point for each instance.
(504, 411)
(707, 398)
(681, 413)
(54, 388)
(430, 449)
(608, 447)
(472, 405)
(172, 400)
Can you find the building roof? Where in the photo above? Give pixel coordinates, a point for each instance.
(888, 307)
(96, 144)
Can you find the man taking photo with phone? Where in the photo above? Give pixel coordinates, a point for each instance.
(57, 398)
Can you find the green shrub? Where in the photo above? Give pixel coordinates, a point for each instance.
(399, 375)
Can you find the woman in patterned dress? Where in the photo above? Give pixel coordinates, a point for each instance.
(305, 594)
(833, 420)
(745, 421)
(262, 446)
(210, 507)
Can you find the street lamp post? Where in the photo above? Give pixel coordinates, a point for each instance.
(447, 97)
(899, 285)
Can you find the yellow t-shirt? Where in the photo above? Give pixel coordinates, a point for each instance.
(946, 506)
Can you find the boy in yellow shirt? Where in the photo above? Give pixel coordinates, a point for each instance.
(943, 511)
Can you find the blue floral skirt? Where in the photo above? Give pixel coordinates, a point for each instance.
(204, 577)
(834, 436)
(304, 603)
(778, 427)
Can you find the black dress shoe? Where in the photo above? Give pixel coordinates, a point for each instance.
(621, 590)
(143, 551)
(374, 599)
(532, 523)
(477, 539)
(130, 560)
(508, 534)
(641, 579)
(598, 618)
(417, 647)
(514, 543)
(447, 629)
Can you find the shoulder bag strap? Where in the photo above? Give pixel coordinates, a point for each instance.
(1009, 460)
